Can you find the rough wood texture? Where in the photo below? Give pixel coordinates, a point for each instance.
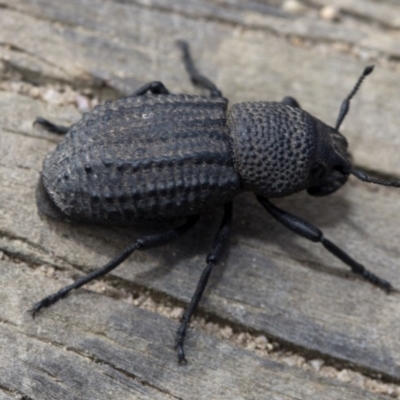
(96, 348)
(270, 282)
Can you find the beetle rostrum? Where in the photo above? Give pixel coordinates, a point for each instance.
(159, 156)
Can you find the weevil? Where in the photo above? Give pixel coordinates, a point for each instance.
(159, 156)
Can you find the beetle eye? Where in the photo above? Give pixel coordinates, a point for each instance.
(317, 171)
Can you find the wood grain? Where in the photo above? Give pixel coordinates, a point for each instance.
(270, 282)
(99, 348)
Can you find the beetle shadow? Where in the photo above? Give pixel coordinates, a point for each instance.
(189, 251)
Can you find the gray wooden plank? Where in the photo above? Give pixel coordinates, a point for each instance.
(384, 12)
(269, 281)
(99, 348)
(7, 396)
(361, 24)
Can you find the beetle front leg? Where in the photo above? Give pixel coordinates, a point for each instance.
(219, 244)
(291, 101)
(142, 243)
(310, 232)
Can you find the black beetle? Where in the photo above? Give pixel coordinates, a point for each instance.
(161, 156)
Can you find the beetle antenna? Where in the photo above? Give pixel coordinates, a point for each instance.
(345, 106)
(365, 178)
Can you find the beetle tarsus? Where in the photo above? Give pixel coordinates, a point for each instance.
(377, 281)
(181, 354)
(49, 300)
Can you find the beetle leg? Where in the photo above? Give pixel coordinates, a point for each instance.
(291, 101)
(155, 87)
(50, 127)
(310, 232)
(197, 78)
(142, 243)
(219, 244)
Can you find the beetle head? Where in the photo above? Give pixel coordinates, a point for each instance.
(331, 166)
(332, 162)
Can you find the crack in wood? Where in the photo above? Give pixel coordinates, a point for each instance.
(96, 359)
(33, 255)
(28, 135)
(13, 392)
(160, 298)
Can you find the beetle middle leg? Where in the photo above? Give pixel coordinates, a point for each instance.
(310, 232)
(50, 127)
(220, 241)
(155, 87)
(142, 243)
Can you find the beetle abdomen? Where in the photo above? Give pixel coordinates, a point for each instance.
(144, 157)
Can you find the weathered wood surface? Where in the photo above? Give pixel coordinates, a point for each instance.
(270, 282)
(98, 348)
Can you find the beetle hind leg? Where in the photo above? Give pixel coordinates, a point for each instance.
(197, 78)
(310, 232)
(50, 127)
(142, 243)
